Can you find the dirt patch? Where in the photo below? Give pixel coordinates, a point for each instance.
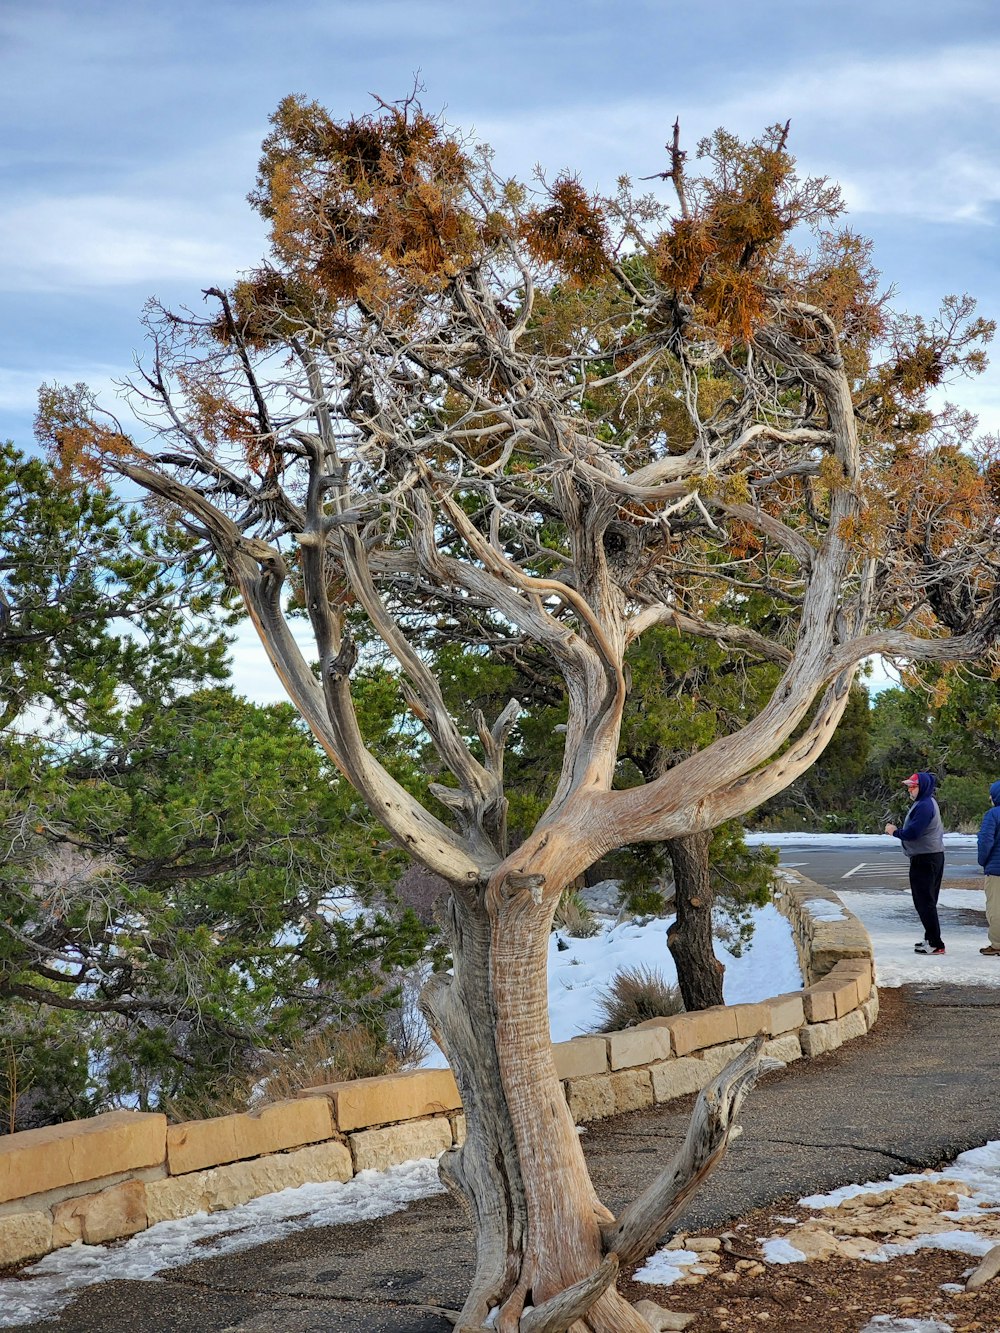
(824, 1296)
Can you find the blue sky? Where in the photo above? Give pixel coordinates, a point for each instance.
(131, 133)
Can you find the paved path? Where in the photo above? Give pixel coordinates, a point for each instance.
(920, 1088)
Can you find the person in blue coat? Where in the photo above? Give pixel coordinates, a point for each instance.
(989, 858)
(922, 838)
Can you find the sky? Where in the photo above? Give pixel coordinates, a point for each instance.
(131, 133)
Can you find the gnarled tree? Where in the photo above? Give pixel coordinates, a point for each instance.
(415, 412)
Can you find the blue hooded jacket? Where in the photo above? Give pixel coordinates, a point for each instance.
(989, 835)
(922, 830)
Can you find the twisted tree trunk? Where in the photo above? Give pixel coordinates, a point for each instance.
(548, 1251)
(699, 972)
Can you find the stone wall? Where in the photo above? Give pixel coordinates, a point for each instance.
(116, 1174)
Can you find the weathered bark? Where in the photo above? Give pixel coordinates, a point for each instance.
(548, 1256)
(699, 972)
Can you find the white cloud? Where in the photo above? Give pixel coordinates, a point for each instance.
(87, 241)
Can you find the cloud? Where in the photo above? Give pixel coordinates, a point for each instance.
(51, 243)
(911, 136)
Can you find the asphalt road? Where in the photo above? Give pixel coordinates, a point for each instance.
(869, 868)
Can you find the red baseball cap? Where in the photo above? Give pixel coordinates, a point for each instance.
(912, 781)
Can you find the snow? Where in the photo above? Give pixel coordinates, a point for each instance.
(577, 975)
(777, 1250)
(54, 1279)
(885, 908)
(663, 1268)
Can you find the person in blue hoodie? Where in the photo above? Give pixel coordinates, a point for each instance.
(989, 858)
(922, 838)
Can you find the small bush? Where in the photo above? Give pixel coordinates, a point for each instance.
(647, 900)
(634, 995)
(575, 918)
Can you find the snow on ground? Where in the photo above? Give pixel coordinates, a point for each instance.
(978, 1170)
(886, 910)
(578, 973)
(54, 1279)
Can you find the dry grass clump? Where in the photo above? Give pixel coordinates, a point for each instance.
(636, 994)
(575, 918)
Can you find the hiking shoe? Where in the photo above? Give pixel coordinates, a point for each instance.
(993, 953)
(924, 947)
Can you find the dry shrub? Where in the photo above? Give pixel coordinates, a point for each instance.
(575, 918)
(636, 994)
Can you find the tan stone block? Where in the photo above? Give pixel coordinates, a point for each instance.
(638, 1046)
(819, 1004)
(843, 990)
(715, 1058)
(819, 1038)
(678, 1078)
(705, 1027)
(580, 1057)
(853, 1025)
(787, 1013)
(198, 1144)
(459, 1130)
(227, 1186)
(78, 1151)
(751, 1019)
(375, 1149)
(870, 1009)
(590, 1098)
(785, 1048)
(96, 1218)
(24, 1236)
(860, 969)
(365, 1102)
(632, 1089)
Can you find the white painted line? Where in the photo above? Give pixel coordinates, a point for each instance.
(855, 870)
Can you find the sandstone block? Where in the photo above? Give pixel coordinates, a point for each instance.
(818, 1004)
(580, 1057)
(677, 1078)
(198, 1144)
(375, 1149)
(366, 1102)
(638, 1046)
(853, 1025)
(842, 989)
(73, 1153)
(590, 1098)
(787, 1013)
(751, 1019)
(459, 1130)
(861, 971)
(24, 1236)
(785, 1048)
(227, 1186)
(716, 1058)
(96, 1218)
(818, 1038)
(870, 1009)
(705, 1027)
(632, 1090)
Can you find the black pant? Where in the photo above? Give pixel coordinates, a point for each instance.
(926, 869)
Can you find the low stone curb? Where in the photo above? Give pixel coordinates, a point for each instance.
(117, 1174)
